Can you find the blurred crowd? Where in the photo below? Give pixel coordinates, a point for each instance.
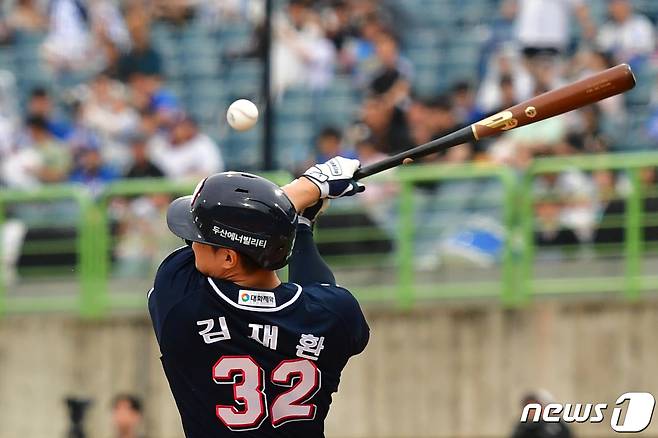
(122, 121)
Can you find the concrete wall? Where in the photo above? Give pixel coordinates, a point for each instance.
(448, 370)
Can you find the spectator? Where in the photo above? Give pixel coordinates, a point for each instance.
(301, 54)
(362, 48)
(652, 126)
(12, 236)
(27, 17)
(505, 63)
(338, 26)
(91, 170)
(140, 243)
(9, 113)
(588, 136)
(106, 111)
(82, 136)
(498, 33)
(384, 113)
(387, 59)
(587, 63)
(330, 144)
(614, 207)
(255, 47)
(177, 12)
(69, 45)
(5, 31)
(188, 153)
(507, 93)
(463, 104)
(157, 134)
(150, 94)
(109, 30)
(42, 159)
(543, 25)
(40, 104)
(127, 413)
(54, 158)
(142, 166)
(380, 201)
(432, 118)
(566, 208)
(6, 136)
(544, 32)
(628, 36)
(142, 57)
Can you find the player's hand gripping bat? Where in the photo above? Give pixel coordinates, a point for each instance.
(602, 85)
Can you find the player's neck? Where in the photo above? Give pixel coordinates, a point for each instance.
(262, 279)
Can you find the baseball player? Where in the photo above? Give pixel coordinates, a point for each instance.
(245, 354)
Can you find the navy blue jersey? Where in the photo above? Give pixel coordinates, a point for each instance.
(251, 362)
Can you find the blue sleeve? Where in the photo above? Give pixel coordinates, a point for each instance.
(357, 326)
(354, 326)
(176, 277)
(306, 265)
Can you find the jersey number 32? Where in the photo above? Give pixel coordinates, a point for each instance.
(250, 410)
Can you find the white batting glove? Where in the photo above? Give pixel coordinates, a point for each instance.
(334, 178)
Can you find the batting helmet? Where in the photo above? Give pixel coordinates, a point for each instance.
(244, 212)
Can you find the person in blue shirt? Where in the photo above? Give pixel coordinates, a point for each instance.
(90, 169)
(40, 104)
(246, 354)
(330, 144)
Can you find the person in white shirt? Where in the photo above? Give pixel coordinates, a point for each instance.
(544, 32)
(301, 54)
(544, 26)
(78, 30)
(69, 44)
(188, 153)
(628, 36)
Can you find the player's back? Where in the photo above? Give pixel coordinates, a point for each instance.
(252, 363)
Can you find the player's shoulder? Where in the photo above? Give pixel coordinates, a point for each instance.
(345, 308)
(332, 297)
(180, 263)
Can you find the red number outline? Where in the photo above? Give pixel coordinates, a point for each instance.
(293, 379)
(234, 373)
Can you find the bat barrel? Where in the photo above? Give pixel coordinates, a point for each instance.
(592, 89)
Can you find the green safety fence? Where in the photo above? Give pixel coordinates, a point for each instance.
(87, 216)
(634, 279)
(393, 277)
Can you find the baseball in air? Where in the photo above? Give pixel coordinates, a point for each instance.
(242, 115)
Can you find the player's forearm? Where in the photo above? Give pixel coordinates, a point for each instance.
(306, 264)
(302, 193)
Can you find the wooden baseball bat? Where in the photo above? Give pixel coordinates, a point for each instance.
(597, 87)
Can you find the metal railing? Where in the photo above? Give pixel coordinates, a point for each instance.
(379, 257)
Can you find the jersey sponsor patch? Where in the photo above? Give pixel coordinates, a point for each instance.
(255, 298)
